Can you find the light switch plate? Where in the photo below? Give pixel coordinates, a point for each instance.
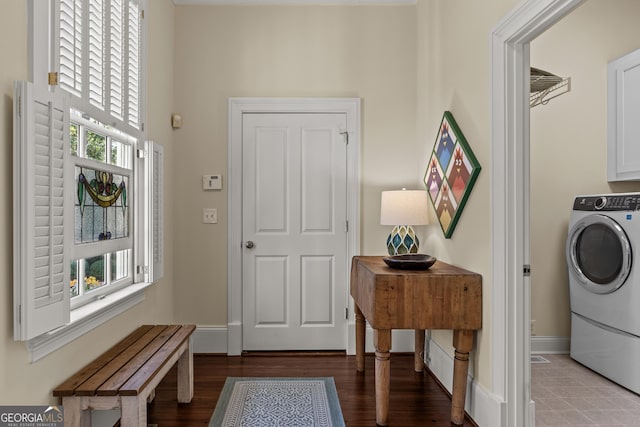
(212, 182)
(176, 121)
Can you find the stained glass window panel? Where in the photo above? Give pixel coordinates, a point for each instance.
(101, 206)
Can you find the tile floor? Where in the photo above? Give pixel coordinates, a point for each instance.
(568, 394)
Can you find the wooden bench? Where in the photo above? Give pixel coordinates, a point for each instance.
(127, 374)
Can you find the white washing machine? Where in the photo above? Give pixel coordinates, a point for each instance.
(603, 257)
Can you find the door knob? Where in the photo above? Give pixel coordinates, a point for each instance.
(249, 244)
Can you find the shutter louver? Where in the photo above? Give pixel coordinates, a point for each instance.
(71, 46)
(96, 53)
(41, 270)
(133, 54)
(116, 56)
(156, 188)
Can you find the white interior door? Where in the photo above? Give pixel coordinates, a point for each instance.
(294, 226)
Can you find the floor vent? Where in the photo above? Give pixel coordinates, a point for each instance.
(539, 359)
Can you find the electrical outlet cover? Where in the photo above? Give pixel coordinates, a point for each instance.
(209, 216)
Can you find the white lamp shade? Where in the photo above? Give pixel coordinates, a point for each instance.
(404, 207)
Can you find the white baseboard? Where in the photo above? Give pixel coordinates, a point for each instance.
(550, 345)
(486, 409)
(213, 339)
(210, 339)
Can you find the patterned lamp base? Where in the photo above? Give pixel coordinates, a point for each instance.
(402, 240)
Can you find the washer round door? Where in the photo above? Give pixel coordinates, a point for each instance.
(599, 254)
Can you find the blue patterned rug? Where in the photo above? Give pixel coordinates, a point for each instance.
(278, 402)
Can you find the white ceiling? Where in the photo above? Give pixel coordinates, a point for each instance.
(294, 2)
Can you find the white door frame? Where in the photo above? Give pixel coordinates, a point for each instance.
(510, 295)
(239, 106)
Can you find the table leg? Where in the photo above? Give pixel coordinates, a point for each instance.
(360, 333)
(382, 343)
(463, 342)
(418, 356)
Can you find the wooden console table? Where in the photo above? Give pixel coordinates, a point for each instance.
(442, 297)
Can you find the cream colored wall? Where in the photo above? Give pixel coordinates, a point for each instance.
(284, 51)
(23, 382)
(454, 74)
(568, 142)
(13, 51)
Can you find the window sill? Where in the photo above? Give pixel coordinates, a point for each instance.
(85, 318)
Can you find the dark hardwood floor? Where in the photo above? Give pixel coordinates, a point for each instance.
(416, 398)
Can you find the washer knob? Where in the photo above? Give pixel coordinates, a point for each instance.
(600, 203)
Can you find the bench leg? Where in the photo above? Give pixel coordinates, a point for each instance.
(74, 416)
(185, 375)
(134, 411)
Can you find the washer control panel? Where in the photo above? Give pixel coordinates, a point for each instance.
(609, 202)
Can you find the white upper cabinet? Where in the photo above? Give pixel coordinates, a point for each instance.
(623, 118)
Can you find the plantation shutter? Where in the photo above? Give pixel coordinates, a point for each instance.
(156, 217)
(96, 34)
(70, 53)
(134, 63)
(100, 59)
(41, 269)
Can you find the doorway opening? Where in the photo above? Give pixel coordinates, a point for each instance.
(511, 368)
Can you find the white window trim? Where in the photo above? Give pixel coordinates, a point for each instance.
(85, 318)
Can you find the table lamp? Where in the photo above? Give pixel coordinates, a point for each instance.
(402, 209)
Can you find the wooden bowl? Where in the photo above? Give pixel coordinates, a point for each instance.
(409, 261)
